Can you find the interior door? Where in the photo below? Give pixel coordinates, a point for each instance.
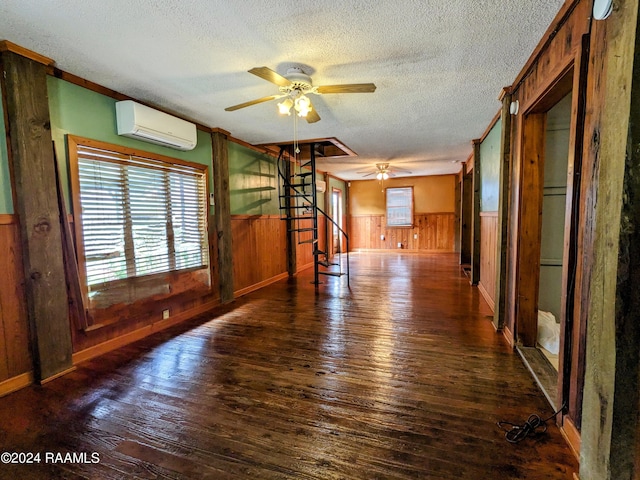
(336, 210)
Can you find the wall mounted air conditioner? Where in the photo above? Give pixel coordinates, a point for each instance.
(144, 123)
(321, 186)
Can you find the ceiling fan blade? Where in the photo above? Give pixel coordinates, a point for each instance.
(398, 169)
(270, 76)
(312, 116)
(347, 88)
(252, 102)
(367, 174)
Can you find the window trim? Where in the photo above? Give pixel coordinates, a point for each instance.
(386, 207)
(73, 142)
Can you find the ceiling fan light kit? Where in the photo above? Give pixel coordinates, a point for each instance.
(295, 85)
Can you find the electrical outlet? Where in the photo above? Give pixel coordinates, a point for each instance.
(165, 314)
(382, 237)
(415, 236)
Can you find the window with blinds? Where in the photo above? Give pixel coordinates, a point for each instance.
(139, 216)
(400, 207)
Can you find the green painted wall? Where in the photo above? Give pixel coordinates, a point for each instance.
(253, 178)
(490, 169)
(6, 200)
(79, 111)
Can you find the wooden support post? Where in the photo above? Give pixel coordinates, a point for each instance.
(223, 215)
(503, 211)
(610, 193)
(475, 222)
(25, 89)
(457, 221)
(466, 213)
(529, 233)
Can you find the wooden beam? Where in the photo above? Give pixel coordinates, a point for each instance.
(572, 329)
(7, 46)
(528, 270)
(610, 196)
(457, 234)
(25, 88)
(561, 18)
(475, 220)
(503, 213)
(466, 216)
(222, 217)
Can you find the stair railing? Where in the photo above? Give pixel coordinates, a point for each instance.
(311, 198)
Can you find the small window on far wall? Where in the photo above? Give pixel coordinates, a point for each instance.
(400, 207)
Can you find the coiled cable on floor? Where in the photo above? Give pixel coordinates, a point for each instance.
(515, 433)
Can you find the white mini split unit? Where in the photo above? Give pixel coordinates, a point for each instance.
(321, 186)
(144, 123)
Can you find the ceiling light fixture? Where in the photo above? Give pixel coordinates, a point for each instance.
(383, 171)
(284, 107)
(300, 103)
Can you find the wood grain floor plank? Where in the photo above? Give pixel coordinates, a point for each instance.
(400, 377)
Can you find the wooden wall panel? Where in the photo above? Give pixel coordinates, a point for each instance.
(431, 232)
(488, 251)
(539, 76)
(15, 358)
(131, 322)
(259, 249)
(555, 55)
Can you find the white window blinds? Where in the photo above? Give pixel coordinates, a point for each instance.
(140, 216)
(400, 207)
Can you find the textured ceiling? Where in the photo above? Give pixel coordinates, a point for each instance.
(438, 65)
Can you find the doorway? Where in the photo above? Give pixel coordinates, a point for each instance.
(546, 263)
(552, 241)
(336, 211)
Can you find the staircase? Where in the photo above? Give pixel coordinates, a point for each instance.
(299, 207)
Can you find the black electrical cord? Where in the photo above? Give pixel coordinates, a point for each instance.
(516, 433)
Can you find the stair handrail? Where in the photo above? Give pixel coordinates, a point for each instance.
(306, 196)
(345, 236)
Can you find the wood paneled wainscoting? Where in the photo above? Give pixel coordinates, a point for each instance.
(430, 232)
(16, 369)
(488, 252)
(259, 251)
(304, 251)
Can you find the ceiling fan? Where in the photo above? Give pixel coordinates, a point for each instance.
(383, 171)
(295, 85)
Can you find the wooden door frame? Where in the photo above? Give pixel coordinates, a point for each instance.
(531, 179)
(336, 218)
(532, 150)
(466, 213)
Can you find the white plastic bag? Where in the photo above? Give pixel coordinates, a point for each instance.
(548, 332)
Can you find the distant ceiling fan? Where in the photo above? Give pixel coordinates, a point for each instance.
(295, 85)
(383, 171)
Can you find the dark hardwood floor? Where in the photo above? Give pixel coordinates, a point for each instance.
(403, 377)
